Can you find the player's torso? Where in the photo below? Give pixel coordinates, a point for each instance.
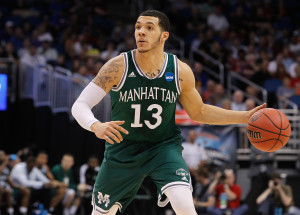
(147, 105)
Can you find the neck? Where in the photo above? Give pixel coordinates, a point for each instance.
(154, 57)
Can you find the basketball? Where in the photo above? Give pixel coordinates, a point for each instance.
(268, 130)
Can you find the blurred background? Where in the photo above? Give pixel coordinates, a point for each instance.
(242, 52)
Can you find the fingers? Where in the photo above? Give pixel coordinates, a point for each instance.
(118, 122)
(117, 134)
(262, 106)
(257, 108)
(110, 131)
(113, 136)
(123, 130)
(108, 139)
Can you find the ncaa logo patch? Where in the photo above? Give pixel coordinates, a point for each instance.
(169, 76)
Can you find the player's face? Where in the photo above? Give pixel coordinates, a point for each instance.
(148, 34)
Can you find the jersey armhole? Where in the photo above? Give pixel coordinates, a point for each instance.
(122, 81)
(177, 75)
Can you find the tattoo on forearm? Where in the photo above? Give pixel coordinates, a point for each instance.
(108, 74)
(180, 79)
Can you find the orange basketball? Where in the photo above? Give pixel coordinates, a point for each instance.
(268, 130)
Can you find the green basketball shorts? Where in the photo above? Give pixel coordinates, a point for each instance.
(119, 179)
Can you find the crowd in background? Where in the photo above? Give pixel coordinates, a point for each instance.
(257, 39)
(28, 184)
(217, 192)
(82, 36)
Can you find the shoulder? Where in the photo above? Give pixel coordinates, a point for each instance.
(46, 167)
(18, 167)
(183, 67)
(116, 60)
(110, 73)
(83, 167)
(186, 145)
(186, 75)
(287, 188)
(36, 170)
(55, 168)
(236, 187)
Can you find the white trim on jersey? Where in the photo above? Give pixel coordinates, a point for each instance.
(177, 74)
(122, 81)
(162, 71)
(164, 66)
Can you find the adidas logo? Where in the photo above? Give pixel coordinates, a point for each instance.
(131, 75)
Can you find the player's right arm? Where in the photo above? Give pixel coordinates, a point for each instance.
(108, 76)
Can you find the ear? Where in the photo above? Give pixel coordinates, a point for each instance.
(165, 36)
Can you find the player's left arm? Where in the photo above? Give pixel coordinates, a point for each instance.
(204, 113)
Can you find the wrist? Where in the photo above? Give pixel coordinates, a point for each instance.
(94, 126)
(248, 114)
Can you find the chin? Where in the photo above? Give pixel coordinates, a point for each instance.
(142, 50)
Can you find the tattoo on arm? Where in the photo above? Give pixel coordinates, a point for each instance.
(180, 79)
(108, 74)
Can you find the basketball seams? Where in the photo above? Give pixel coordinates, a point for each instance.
(282, 115)
(270, 120)
(261, 141)
(266, 130)
(270, 149)
(265, 125)
(279, 131)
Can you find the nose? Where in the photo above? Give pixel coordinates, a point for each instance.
(141, 31)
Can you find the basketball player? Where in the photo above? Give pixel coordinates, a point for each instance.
(144, 85)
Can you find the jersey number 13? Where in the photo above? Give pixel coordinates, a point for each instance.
(137, 116)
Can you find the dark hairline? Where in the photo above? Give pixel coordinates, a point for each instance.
(161, 28)
(163, 20)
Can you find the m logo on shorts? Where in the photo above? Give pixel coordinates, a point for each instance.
(183, 173)
(103, 199)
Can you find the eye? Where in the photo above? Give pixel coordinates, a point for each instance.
(150, 28)
(137, 27)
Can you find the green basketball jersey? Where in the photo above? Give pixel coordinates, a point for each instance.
(147, 105)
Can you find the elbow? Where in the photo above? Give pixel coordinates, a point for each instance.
(75, 110)
(288, 202)
(258, 201)
(197, 116)
(211, 201)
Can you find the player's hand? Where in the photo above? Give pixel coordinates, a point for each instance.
(109, 131)
(251, 112)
